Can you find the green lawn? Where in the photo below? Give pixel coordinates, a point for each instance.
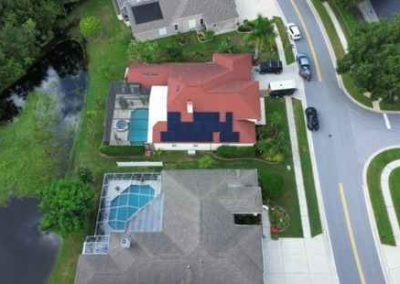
(374, 178)
(27, 147)
(306, 166)
(287, 46)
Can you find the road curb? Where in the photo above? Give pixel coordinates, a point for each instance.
(370, 210)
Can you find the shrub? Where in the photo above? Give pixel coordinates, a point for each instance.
(246, 27)
(90, 27)
(122, 150)
(85, 175)
(236, 152)
(206, 162)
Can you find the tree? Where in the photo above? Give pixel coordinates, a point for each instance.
(25, 27)
(373, 59)
(90, 27)
(262, 34)
(65, 206)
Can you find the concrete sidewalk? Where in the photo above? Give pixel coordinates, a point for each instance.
(368, 11)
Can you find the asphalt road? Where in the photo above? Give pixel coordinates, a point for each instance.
(386, 8)
(348, 136)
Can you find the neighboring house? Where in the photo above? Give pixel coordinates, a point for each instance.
(151, 19)
(198, 106)
(192, 226)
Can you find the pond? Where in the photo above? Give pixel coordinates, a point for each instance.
(27, 255)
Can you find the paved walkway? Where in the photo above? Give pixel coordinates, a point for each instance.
(295, 260)
(387, 196)
(250, 9)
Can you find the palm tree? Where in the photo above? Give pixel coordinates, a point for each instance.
(262, 34)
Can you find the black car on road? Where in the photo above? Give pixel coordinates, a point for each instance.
(312, 119)
(304, 66)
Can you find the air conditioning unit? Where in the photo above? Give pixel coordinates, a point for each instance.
(125, 242)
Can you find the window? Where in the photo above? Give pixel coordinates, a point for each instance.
(162, 31)
(176, 27)
(247, 219)
(192, 24)
(201, 21)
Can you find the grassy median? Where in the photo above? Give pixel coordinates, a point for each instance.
(306, 167)
(375, 191)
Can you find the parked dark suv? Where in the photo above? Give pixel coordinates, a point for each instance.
(312, 119)
(271, 66)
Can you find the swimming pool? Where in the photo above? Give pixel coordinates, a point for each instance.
(125, 205)
(138, 126)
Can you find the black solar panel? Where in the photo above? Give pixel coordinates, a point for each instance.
(200, 130)
(147, 13)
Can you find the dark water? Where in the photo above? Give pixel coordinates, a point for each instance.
(62, 72)
(26, 254)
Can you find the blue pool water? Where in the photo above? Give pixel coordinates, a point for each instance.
(125, 205)
(138, 126)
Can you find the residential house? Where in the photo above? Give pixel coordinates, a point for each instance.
(150, 19)
(195, 106)
(192, 226)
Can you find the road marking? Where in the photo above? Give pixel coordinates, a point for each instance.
(387, 121)
(351, 234)
(308, 38)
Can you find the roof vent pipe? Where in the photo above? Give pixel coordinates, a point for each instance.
(189, 107)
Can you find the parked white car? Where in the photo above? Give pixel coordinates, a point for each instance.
(294, 31)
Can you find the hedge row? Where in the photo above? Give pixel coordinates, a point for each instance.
(122, 150)
(236, 152)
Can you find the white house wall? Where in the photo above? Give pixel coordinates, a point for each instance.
(196, 146)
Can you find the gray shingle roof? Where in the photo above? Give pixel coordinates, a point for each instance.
(212, 11)
(199, 242)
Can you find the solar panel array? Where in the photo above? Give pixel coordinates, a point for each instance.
(201, 129)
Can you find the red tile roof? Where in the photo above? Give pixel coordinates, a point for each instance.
(225, 85)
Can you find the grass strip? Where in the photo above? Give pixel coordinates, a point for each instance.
(287, 46)
(307, 170)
